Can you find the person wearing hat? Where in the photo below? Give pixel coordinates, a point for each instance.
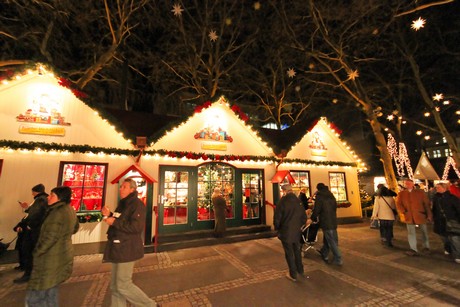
(220, 205)
(28, 230)
(289, 218)
(325, 212)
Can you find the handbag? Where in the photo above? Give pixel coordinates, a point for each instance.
(375, 224)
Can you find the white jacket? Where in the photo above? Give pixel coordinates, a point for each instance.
(381, 210)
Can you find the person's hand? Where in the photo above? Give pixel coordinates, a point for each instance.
(23, 205)
(105, 211)
(109, 221)
(18, 229)
(309, 221)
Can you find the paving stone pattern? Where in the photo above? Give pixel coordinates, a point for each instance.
(252, 273)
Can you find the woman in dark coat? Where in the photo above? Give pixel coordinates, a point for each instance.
(53, 254)
(446, 206)
(220, 205)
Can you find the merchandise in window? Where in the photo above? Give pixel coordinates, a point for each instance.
(210, 176)
(87, 182)
(338, 186)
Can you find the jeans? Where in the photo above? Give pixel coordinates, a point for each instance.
(412, 236)
(454, 245)
(386, 231)
(42, 298)
(331, 243)
(293, 255)
(124, 289)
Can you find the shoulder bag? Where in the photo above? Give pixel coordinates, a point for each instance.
(394, 210)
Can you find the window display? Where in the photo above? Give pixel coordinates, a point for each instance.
(302, 181)
(210, 176)
(87, 182)
(338, 186)
(252, 195)
(175, 198)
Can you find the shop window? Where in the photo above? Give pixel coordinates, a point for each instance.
(211, 176)
(87, 182)
(337, 185)
(302, 181)
(252, 194)
(175, 197)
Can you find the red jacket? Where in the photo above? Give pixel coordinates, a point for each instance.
(415, 206)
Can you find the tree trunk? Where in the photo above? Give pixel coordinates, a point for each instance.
(385, 157)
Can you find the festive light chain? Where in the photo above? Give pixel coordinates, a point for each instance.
(450, 162)
(52, 148)
(401, 159)
(404, 161)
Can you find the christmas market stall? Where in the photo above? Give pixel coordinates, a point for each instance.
(50, 136)
(214, 148)
(322, 157)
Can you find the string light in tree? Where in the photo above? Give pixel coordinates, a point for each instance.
(177, 10)
(450, 163)
(291, 73)
(401, 159)
(404, 161)
(418, 24)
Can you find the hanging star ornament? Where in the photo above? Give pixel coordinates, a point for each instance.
(418, 24)
(213, 35)
(291, 73)
(438, 97)
(352, 75)
(177, 10)
(390, 117)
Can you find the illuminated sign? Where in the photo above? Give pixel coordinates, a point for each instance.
(317, 146)
(214, 128)
(214, 146)
(54, 131)
(43, 109)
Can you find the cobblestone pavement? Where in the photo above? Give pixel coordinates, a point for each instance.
(252, 273)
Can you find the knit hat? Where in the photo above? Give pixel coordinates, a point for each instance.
(39, 188)
(321, 186)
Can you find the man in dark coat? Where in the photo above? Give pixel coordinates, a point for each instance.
(446, 207)
(29, 230)
(125, 246)
(325, 210)
(289, 218)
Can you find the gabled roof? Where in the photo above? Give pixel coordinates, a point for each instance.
(135, 168)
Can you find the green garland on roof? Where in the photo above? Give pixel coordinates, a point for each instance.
(16, 145)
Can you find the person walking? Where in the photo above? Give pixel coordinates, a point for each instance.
(29, 230)
(125, 246)
(415, 206)
(53, 253)
(446, 207)
(325, 213)
(220, 205)
(384, 204)
(288, 219)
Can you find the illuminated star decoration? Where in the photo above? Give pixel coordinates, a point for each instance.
(257, 5)
(213, 35)
(352, 75)
(177, 10)
(438, 97)
(390, 117)
(418, 24)
(291, 73)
